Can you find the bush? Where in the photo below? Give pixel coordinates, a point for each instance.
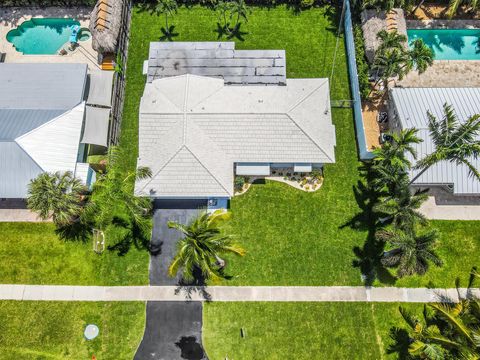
(239, 183)
(362, 63)
(43, 3)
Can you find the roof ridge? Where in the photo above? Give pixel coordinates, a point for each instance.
(162, 167)
(308, 95)
(208, 171)
(48, 122)
(308, 136)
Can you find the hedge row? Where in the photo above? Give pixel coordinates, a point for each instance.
(43, 3)
(362, 63)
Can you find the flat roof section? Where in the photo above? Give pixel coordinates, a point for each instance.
(219, 60)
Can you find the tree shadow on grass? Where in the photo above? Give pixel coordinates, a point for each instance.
(230, 33)
(369, 256)
(401, 343)
(128, 234)
(168, 34)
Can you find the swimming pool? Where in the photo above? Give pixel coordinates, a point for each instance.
(42, 35)
(449, 44)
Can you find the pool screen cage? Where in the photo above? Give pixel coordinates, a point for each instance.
(98, 241)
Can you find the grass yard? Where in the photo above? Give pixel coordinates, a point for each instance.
(33, 254)
(293, 238)
(54, 330)
(301, 330)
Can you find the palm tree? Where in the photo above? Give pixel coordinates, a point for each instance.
(454, 5)
(201, 247)
(58, 195)
(411, 253)
(167, 8)
(402, 206)
(240, 10)
(391, 40)
(446, 330)
(454, 141)
(390, 63)
(420, 57)
(114, 204)
(391, 161)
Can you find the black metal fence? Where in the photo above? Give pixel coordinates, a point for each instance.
(119, 80)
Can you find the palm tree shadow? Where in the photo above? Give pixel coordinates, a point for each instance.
(197, 285)
(134, 236)
(401, 343)
(369, 256)
(230, 33)
(168, 34)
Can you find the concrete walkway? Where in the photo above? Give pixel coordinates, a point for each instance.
(449, 212)
(228, 293)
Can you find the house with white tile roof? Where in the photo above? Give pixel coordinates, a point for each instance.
(196, 133)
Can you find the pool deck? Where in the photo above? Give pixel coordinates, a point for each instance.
(445, 73)
(11, 18)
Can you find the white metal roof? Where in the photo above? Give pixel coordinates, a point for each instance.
(41, 117)
(193, 129)
(412, 105)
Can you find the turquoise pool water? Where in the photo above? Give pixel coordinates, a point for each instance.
(449, 44)
(41, 35)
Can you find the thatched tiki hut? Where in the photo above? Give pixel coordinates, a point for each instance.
(105, 24)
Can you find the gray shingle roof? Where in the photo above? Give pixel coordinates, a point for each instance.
(32, 95)
(217, 59)
(193, 129)
(412, 105)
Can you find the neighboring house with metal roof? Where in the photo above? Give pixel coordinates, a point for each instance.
(196, 133)
(42, 117)
(410, 107)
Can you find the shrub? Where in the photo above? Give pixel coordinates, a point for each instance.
(42, 3)
(239, 183)
(362, 63)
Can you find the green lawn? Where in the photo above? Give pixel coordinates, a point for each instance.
(54, 330)
(293, 238)
(300, 330)
(33, 254)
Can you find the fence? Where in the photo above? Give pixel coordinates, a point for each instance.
(119, 76)
(354, 85)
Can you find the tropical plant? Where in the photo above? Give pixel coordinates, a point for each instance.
(411, 253)
(57, 195)
(391, 40)
(454, 5)
(420, 57)
(391, 162)
(166, 8)
(402, 206)
(446, 330)
(393, 58)
(201, 247)
(386, 5)
(114, 206)
(239, 10)
(454, 141)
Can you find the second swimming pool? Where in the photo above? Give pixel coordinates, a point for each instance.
(449, 44)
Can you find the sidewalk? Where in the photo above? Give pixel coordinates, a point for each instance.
(228, 293)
